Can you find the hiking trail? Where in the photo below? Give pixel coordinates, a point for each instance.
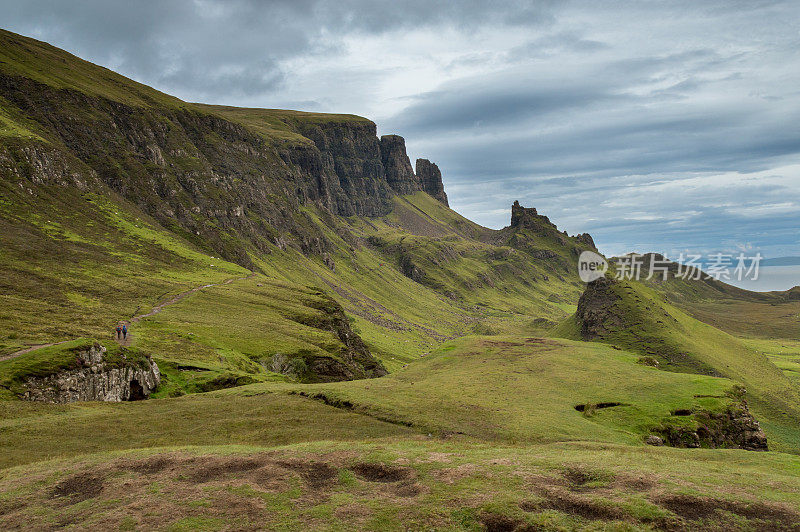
(135, 319)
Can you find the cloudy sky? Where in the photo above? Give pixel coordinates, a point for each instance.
(664, 126)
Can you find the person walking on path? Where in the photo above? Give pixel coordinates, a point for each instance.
(119, 332)
(124, 332)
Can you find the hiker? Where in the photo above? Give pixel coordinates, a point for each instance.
(119, 332)
(124, 332)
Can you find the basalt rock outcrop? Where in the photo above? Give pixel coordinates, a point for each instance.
(197, 170)
(586, 238)
(94, 378)
(345, 162)
(352, 360)
(397, 166)
(733, 428)
(527, 218)
(596, 312)
(431, 179)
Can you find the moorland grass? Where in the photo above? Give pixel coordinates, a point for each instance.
(33, 431)
(427, 484)
(646, 323)
(521, 389)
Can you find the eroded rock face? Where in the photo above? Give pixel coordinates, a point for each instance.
(586, 238)
(524, 217)
(96, 380)
(352, 360)
(431, 179)
(596, 312)
(185, 167)
(397, 166)
(347, 167)
(734, 428)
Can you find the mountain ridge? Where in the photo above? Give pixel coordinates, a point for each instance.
(336, 345)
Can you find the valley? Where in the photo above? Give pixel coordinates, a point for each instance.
(336, 347)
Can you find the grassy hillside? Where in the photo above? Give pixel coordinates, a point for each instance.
(734, 310)
(525, 390)
(260, 254)
(279, 126)
(482, 431)
(633, 316)
(23, 56)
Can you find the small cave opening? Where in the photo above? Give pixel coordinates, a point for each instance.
(137, 392)
(682, 412)
(581, 408)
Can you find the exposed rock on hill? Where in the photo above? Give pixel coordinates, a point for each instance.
(596, 312)
(586, 238)
(200, 172)
(95, 379)
(397, 166)
(345, 162)
(353, 359)
(733, 428)
(431, 178)
(527, 217)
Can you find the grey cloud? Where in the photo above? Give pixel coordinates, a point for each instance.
(190, 47)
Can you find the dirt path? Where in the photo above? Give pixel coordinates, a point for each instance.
(155, 310)
(28, 350)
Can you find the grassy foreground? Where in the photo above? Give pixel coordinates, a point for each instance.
(407, 484)
(524, 390)
(480, 434)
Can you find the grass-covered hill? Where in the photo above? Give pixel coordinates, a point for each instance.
(338, 348)
(483, 433)
(119, 197)
(635, 317)
(722, 305)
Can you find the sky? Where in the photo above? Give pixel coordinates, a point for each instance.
(669, 126)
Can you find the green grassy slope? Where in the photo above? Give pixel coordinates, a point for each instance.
(74, 264)
(26, 57)
(505, 389)
(279, 126)
(524, 390)
(82, 256)
(29, 429)
(467, 432)
(638, 318)
(736, 311)
(493, 435)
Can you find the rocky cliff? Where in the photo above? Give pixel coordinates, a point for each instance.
(96, 379)
(430, 178)
(217, 176)
(397, 166)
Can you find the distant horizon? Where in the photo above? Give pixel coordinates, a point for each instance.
(772, 279)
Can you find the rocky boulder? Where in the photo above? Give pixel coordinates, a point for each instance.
(96, 379)
(596, 311)
(733, 428)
